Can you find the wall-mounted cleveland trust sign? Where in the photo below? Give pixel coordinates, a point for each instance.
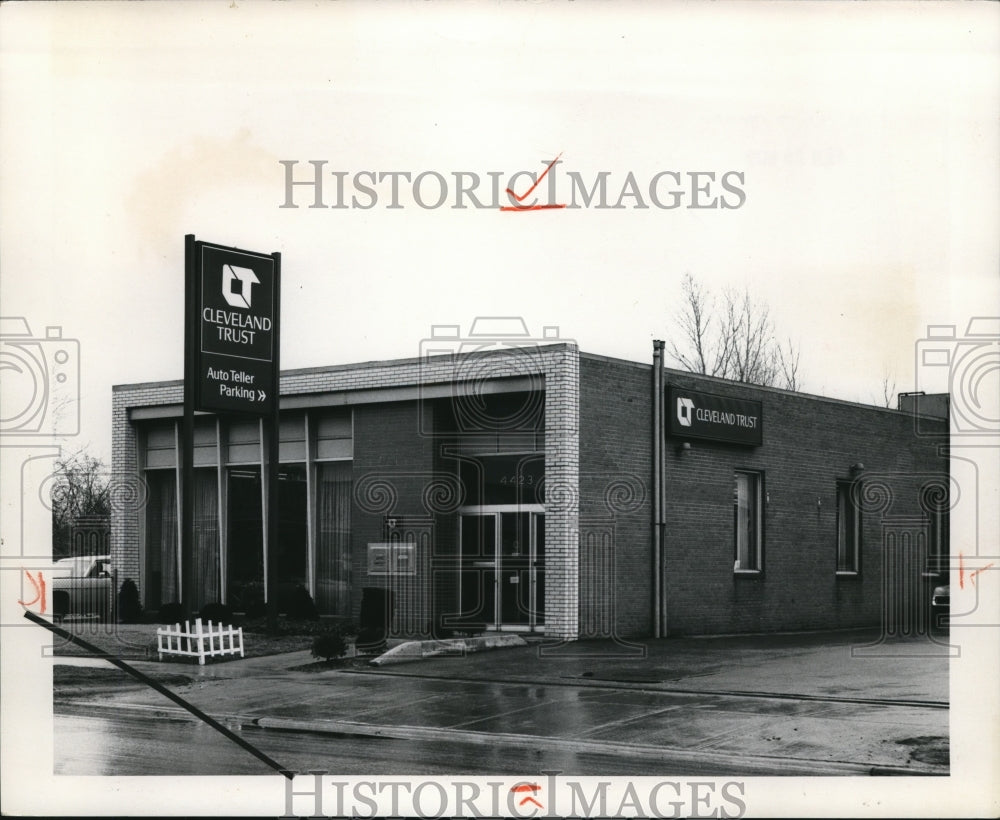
(693, 414)
(236, 297)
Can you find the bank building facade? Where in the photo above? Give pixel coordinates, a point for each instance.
(535, 488)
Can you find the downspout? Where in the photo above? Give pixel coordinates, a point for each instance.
(664, 416)
(657, 489)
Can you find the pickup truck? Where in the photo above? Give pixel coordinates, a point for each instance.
(83, 585)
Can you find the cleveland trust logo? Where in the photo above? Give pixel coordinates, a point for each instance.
(685, 411)
(231, 274)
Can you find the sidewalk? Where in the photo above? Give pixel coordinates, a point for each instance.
(841, 665)
(805, 701)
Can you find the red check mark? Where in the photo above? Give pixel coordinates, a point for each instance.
(537, 181)
(528, 193)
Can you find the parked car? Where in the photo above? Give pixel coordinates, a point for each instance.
(83, 585)
(940, 604)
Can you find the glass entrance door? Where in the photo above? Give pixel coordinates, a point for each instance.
(503, 566)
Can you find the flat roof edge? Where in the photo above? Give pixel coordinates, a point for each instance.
(670, 371)
(332, 368)
(597, 357)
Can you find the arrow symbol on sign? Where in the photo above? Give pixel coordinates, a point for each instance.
(261, 395)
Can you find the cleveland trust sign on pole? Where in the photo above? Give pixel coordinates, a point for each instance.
(237, 330)
(231, 364)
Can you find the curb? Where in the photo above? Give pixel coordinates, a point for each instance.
(453, 647)
(745, 765)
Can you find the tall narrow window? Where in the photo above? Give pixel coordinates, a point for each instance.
(938, 550)
(848, 530)
(205, 554)
(333, 538)
(161, 539)
(747, 522)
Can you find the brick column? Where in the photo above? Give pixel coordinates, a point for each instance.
(562, 494)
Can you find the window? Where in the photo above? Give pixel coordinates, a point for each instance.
(747, 522)
(334, 491)
(848, 530)
(161, 539)
(503, 479)
(938, 551)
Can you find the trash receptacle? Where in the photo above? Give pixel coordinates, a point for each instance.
(377, 609)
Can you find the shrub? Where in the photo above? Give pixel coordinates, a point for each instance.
(171, 613)
(256, 609)
(329, 645)
(217, 613)
(296, 602)
(129, 608)
(347, 627)
(247, 597)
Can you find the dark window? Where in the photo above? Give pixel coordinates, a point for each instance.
(161, 539)
(938, 547)
(503, 479)
(848, 530)
(333, 538)
(747, 522)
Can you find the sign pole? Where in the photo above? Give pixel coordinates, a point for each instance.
(273, 457)
(186, 579)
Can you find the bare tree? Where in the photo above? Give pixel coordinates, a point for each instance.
(733, 341)
(80, 489)
(695, 320)
(888, 387)
(788, 359)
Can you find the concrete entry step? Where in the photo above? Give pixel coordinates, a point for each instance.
(452, 647)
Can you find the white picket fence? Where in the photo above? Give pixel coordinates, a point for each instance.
(199, 643)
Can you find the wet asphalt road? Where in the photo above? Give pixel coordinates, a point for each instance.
(126, 745)
(363, 724)
(784, 706)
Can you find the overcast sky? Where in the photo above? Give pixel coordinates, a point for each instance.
(865, 138)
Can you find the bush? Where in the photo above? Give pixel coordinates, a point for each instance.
(129, 608)
(256, 609)
(329, 645)
(296, 602)
(248, 597)
(347, 627)
(172, 613)
(217, 613)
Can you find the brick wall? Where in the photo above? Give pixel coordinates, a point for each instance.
(809, 443)
(616, 468)
(393, 474)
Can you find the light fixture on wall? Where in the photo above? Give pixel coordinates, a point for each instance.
(683, 448)
(819, 502)
(857, 468)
